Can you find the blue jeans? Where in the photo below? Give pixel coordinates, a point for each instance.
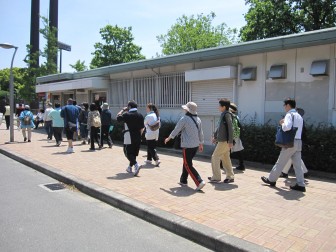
(48, 128)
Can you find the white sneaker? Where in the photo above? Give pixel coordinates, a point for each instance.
(70, 150)
(137, 169)
(200, 186)
(157, 163)
(148, 162)
(129, 169)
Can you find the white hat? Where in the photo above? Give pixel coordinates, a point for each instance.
(27, 107)
(105, 106)
(191, 107)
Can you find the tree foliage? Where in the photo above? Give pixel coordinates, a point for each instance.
(194, 33)
(79, 66)
(118, 47)
(271, 18)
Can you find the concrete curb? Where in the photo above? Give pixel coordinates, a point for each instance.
(203, 235)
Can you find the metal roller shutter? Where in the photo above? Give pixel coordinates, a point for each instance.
(206, 94)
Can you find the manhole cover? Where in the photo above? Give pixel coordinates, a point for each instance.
(54, 186)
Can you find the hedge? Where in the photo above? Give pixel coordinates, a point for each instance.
(318, 152)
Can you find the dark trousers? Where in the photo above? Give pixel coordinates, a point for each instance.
(58, 133)
(131, 151)
(151, 150)
(7, 121)
(94, 136)
(84, 131)
(105, 135)
(188, 169)
(48, 128)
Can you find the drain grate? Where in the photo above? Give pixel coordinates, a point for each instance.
(54, 186)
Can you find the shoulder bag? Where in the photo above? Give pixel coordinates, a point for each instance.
(285, 139)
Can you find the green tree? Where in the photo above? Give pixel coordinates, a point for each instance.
(19, 80)
(194, 33)
(50, 49)
(118, 47)
(271, 18)
(315, 15)
(79, 66)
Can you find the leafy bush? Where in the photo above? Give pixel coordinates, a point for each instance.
(318, 150)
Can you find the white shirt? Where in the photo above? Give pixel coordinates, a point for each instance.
(150, 119)
(298, 122)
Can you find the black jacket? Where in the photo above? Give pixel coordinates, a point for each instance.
(106, 117)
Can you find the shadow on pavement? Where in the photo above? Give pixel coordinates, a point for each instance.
(223, 187)
(184, 191)
(121, 176)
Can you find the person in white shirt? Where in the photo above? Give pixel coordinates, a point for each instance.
(293, 153)
(47, 120)
(152, 133)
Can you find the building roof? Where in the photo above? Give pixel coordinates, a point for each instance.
(306, 39)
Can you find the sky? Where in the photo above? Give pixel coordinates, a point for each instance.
(79, 22)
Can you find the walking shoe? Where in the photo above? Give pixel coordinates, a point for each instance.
(182, 184)
(148, 162)
(25, 139)
(231, 180)
(298, 188)
(29, 141)
(70, 150)
(110, 146)
(157, 163)
(129, 169)
(136, 169)
(283, 175)
(92, 149)
(213, 180)
(240, 167)
(265, 180)
(84, 142)
(200, 186)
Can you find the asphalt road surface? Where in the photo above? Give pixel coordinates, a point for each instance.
(33, 218)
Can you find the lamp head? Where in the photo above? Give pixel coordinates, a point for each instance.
(7, 46)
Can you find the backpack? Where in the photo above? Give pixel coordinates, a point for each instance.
(235, 126)
(96, 121)
(27, 119)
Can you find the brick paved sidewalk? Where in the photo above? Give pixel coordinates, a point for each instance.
(275, 218)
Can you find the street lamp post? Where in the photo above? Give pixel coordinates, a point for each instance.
(11, 93)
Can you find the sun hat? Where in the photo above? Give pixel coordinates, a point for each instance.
(233, 107)
(27, 107)
(191, 107)
(105, 105)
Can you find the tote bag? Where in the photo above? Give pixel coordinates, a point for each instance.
(285, 139)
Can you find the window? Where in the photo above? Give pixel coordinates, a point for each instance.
(319, 68)
(164, 90)
(278, 72)
(120, 93)
(248, 73)
(144, 90)
(174, 91)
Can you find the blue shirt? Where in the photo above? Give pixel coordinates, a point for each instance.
(57, 120)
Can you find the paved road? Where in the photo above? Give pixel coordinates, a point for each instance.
(35, 219)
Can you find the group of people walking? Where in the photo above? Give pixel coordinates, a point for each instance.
(95, 124)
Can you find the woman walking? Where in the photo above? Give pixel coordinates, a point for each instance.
(93, 124)
(26, 122)
(192, 139)
(152, 124)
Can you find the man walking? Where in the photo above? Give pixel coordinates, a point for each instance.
(70, 114)
(47, 121)
(292, 118)
(106, 120)
(58, 123)
(134, 125)
(223, 136)
(7, 115)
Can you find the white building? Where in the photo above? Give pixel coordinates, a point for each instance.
(256, 75)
